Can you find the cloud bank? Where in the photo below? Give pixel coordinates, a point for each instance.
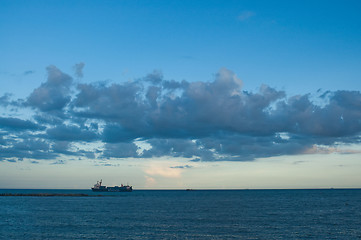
(200, 121)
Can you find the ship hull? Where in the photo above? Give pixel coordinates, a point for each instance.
(113, 189)
(99, 190)
(120, 189)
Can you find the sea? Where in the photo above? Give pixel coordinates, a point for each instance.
(180, 214)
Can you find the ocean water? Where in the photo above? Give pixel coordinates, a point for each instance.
(172, 214)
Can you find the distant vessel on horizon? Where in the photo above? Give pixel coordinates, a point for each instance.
(99, 188)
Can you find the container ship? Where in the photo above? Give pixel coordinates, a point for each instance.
(99, 188)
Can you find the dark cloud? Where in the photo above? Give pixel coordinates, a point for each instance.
(120, 150)
(237, 147)
(339, 118)
(182, 167)
(16, 124)
(66, 148)
(71, 133)
(49, 119)
(118, 103)
(155, 77)
(6, 101)
(114, 132)
(202, 121)
(54, 94)
(177, 148)
(28, 72)
(78, 68)
(32, 145)
(59, 162)
(31, 149)
(87, 154)
(62, 147)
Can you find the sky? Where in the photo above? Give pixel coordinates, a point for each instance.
(180, 94)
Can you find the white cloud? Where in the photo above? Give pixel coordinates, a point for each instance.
(150, 182)
(243, 16)
(162, 169)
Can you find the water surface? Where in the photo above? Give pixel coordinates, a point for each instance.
(176, 214)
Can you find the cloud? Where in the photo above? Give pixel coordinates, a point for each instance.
(159, 169)
(155, 77)
(201, 121)
(16, 124)
(62, 147)
(78, 68)
(150, 182)
(182, 167)
(28, 72)
(117, 103)
(245, 15)
(177, 147)
(32, 145)
(120, 150)
(26, 147)
(114, 132)
(59, 162)
(54, 94)
(315, 149)
(5, 101)
(71, 133)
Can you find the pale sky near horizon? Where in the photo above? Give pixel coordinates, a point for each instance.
(180, 94)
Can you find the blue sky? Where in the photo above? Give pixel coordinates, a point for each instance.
(170, 94)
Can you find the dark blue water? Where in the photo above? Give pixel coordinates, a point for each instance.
(207, 214)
